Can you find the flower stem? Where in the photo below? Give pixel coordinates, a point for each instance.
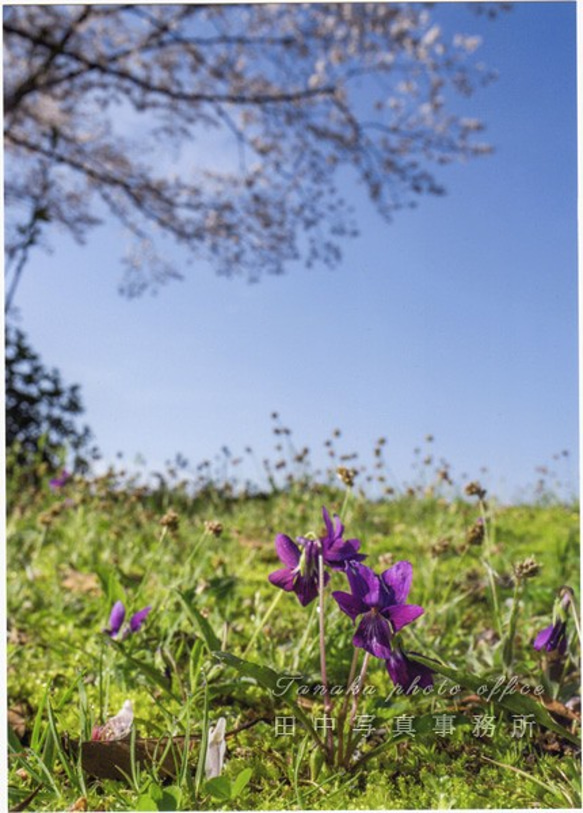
(350, 746)
(327, 701)
(487, 550)
(508, 648)
(485, 516)
(494, 593)
(344, 709)
(575, 616)
(204, 740)
(347, 496)
(359, 687)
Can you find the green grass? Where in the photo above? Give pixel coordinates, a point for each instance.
(71, 554)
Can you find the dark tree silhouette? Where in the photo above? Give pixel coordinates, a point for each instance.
(105, 108)
(41, 411)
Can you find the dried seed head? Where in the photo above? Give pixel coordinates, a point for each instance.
(527, 569)
(170, 520)
(440, 547)
(213, 527)
(386, 559)
(80, 805)
(475, 534)
(474, 489)
(346, 475)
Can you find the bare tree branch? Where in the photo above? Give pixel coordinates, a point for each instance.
(110, 105)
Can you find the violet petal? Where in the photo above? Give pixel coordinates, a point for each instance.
(349, 604)
(118, 613)
(402, 614)
(542, 639)
(287, 550)
(306, 588)
(403, 671)
(364, 584)
(283, 578)
(373, 635)
(399, 578)
(138, 619)
(328, 522)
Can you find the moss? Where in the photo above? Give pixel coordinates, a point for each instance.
(56, 636)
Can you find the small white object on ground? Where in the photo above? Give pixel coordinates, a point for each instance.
(215, 751)
(117, 727)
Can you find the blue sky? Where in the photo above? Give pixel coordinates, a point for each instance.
(459, 319)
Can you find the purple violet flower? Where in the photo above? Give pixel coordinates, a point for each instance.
(380, 600)
(117, 617)
(59, 482)
(406, 673)
(301, 574)
(337, 551)
(138, 619)
(552, 637)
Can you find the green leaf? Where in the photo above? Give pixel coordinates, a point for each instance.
(159, 798)
(110, 583)
(219, 787)
(14, 743)
(490, 691)
(152, 674)
(241, 782)
(68, 768)
(68, 694)
(279, 685)
(204, 741)
(35, 737)
(145, 802)
(221, 586)
(195, 662)
(205, 628)
(170, 799)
